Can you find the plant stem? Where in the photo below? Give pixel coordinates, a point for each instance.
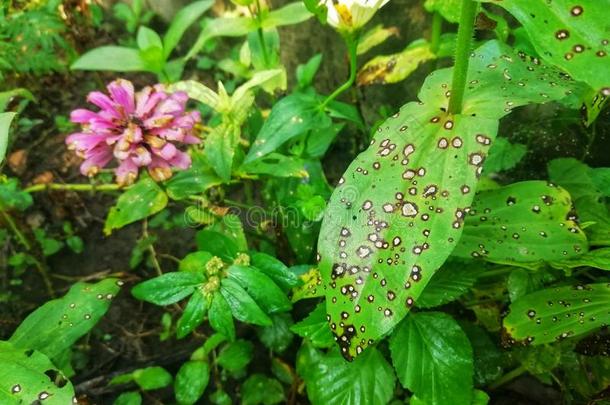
(462, 55)
(73, 187)
(261, 35)
(22, 239)
(511, 375)
(435, 35)
(352, 46)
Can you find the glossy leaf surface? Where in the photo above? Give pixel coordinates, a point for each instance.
(554, 314)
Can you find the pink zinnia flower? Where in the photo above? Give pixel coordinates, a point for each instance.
(140, 129)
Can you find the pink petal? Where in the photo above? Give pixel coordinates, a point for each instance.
(82, 116)
(122, 93)
(167, 152)
(84, 141)
(126, 172)
(147, 100)
(141, 156)
(104, 102)
(96, 159)
(181, 160)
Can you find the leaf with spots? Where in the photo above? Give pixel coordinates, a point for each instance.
(571, 34)
(557, 313)
(525, 222)
(28, 376)
(59, 323)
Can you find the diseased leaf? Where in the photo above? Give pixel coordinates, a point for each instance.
(554, 314)
(399, 209)
(25, 378)
(525, 222)
(433, 358)
(58, 324)
(145, 198)
(375, 36)
(570, 34)
(598, 258)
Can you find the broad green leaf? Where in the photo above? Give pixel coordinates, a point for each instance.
(195, 180)
(145, 198)
(575, 177)
(449, 9)
(449, 283)
(193, 314)
(278, 336)
(375, 36)
(275, 270)
(243, 306)
(198, 91)
(191, 381)
(236, 355)
(112, 58)
(277, 165)
(5, 125)
(220, 316)
(397, 67)
(570, 34)
(195, 262)
(221, 27)
(368, 380)
(503, 155)
(291, 116)
(399, 209)
(220, 146)
(217, 244)
(306, 73)
(130, 397)
(315, 328)
(259, 389)
(168, 288)
(489, 360)
(433, 358)
(147, 38)
(25, 378)
(181, 22)
(598, 258)
(230, 225)
(522, 281)
(261, 288)
(58, 324)
(525, 222)
(152, 378)
(554, 314)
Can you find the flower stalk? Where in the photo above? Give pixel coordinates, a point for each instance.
(351, 40)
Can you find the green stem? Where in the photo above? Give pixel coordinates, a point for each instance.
(73, 187)
(352, 47)
(22, 239)
(261, 35)
(435, 35)
(511, 375)
(462, 55)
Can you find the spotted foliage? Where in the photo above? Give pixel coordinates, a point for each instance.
(557, 313)
(29, 377)
(571, 34)
(399, 209)
(526, 222)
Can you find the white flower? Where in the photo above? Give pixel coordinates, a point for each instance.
(351, 15)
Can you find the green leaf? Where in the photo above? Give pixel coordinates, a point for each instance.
(315, 328)
(598, 258)
(449, 9)
(433, 358)
(522, 282)
(152, 378)
(112, 58)
(193, 314)
(259, 389)
(191, 381)
(243, 307)
(236, 355)
(128, 398)
(58, 324)
(397, 67)
(306, 73)
(275, 270)
(217, 244)
(290, 14)
(7, 96)
(147, 38)
(557, 313)
(570, 34)
(277, 165)
(181, 22)
(220, 318)
(221, 27)
(291, 116)
(145, 198)
(25, 378)
(375, 36)
(489, 361)
(449, 283)
(503, 155)
(575, 177)
(12, 197)
(332, 380)
(260, 287)
(220, 146)
(278, 336)
(195, 180)
(5, 125)
(195, 262)
(525, 222)
(168, 288)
